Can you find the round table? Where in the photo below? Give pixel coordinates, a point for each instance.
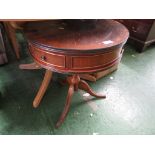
(74, 47)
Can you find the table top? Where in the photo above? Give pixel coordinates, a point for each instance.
(76, 46)
(79, 35)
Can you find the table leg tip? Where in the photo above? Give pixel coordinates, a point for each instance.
(35, 105)
(103, 96)
(57, 125)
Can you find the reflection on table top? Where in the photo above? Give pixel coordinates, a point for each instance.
(76, 35)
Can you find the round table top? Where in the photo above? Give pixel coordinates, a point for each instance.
(79, 35)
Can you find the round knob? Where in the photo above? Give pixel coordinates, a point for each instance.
(43, 58)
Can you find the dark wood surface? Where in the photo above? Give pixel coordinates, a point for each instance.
(142, 32)
(84, 36)
(82, 46)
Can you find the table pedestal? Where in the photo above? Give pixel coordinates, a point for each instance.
(77, 48)
(74, 82)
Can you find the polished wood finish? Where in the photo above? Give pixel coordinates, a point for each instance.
(96, 76)
(30, 66)
(75, 83)
(88, 77)
(61, 36)
(66, 49)
(142, 32)
(83, 63)
(89, 46)
(43, 88)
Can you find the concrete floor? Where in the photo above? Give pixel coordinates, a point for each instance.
(128, 109)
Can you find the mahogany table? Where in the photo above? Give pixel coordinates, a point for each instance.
(74, 47)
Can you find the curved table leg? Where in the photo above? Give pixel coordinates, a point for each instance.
(84, 86)
(32, 65)
(75, 83)
(67, 106)
(43, 88)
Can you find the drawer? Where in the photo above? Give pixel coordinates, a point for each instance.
(95, 61)
(47, 58)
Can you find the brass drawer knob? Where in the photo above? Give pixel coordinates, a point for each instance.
(43, 58)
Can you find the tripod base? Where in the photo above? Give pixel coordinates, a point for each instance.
(75, 83)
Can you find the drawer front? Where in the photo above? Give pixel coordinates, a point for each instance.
(77, 63)
(95, 61)
(46, 58)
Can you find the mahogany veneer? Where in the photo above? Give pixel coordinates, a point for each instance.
(74, 47)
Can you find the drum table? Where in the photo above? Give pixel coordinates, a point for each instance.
(74, 47)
